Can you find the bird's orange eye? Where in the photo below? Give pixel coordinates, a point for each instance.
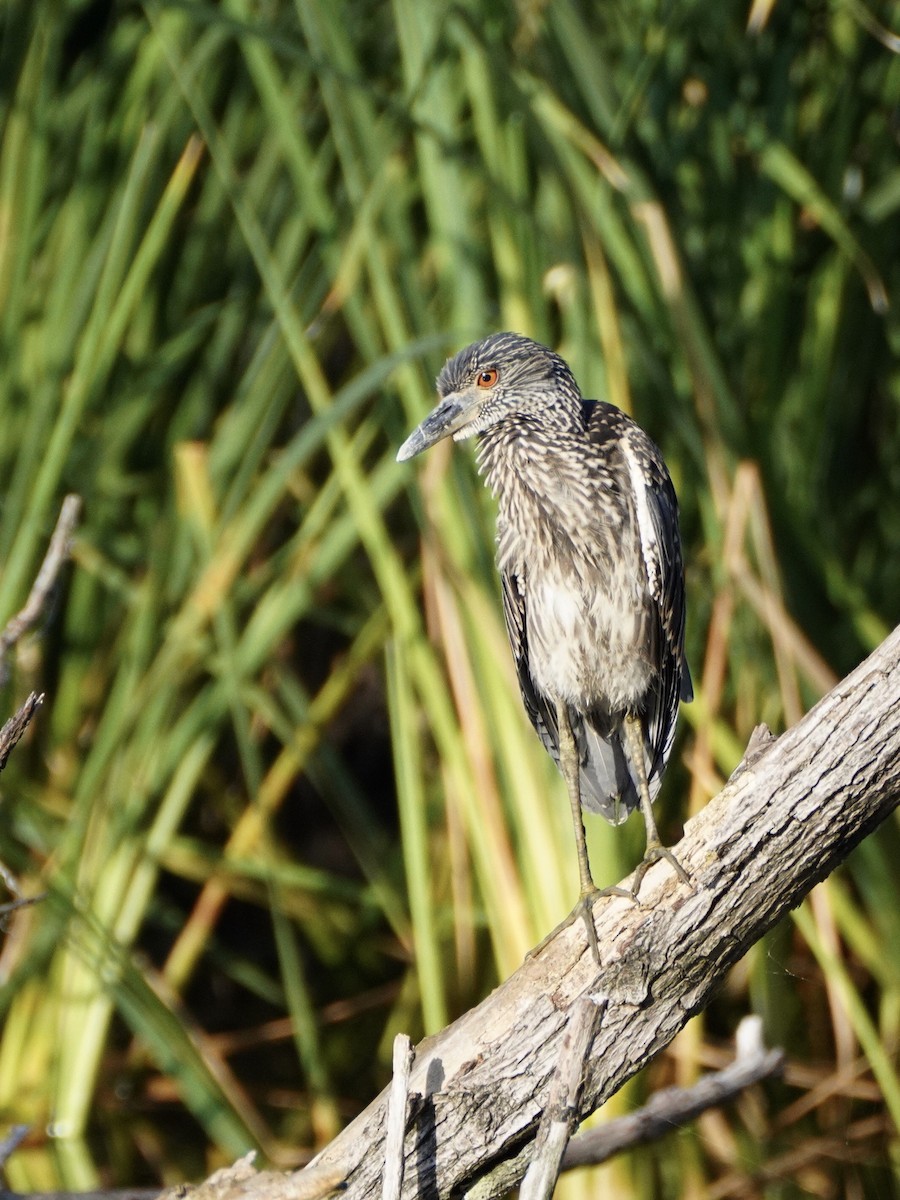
(487, 379)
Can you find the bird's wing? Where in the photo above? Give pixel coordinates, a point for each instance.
(656, 509)
(540, 713)
(657, 514)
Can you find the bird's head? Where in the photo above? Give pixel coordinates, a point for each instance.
(506, 375)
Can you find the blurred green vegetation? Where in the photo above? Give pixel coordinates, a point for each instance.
(282, 793)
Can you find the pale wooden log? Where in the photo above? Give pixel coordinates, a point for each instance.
(791, 813)
(783, 822)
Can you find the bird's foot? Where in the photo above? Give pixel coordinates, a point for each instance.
(654, 852)
(583, 909)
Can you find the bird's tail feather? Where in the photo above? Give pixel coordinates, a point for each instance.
(609, 784)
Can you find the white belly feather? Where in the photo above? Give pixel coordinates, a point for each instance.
(584, 645)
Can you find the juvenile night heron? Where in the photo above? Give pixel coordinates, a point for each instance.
(589, 554)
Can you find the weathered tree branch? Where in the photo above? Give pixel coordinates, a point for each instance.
(782, 823)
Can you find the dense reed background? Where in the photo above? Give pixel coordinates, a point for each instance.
(282, 792)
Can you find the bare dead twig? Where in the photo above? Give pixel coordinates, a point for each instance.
(12, 1141)
(239, 1180)
(10, 734)
(674, 1106)
(562, 1111)
(45, 580)
(12, 731)
(102, 1194)
(398, 1105)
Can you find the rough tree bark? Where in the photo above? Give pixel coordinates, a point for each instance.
(792, 812)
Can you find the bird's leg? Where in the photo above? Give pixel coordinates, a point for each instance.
(571, 773)
(655, 849)
(570, 768)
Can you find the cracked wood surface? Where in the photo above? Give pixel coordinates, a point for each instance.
(792, 812)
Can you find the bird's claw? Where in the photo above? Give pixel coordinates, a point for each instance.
(584, 909)
(653, 853)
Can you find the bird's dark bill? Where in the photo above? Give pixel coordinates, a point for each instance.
(448, 418)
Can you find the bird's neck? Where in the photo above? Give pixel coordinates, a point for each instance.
(529, 453)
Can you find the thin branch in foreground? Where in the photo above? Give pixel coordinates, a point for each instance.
(561, 1114)
(398, 1105)
(45, 580)
(12, 731)
(674, 1107)
(10, 735)
(11, 1143)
